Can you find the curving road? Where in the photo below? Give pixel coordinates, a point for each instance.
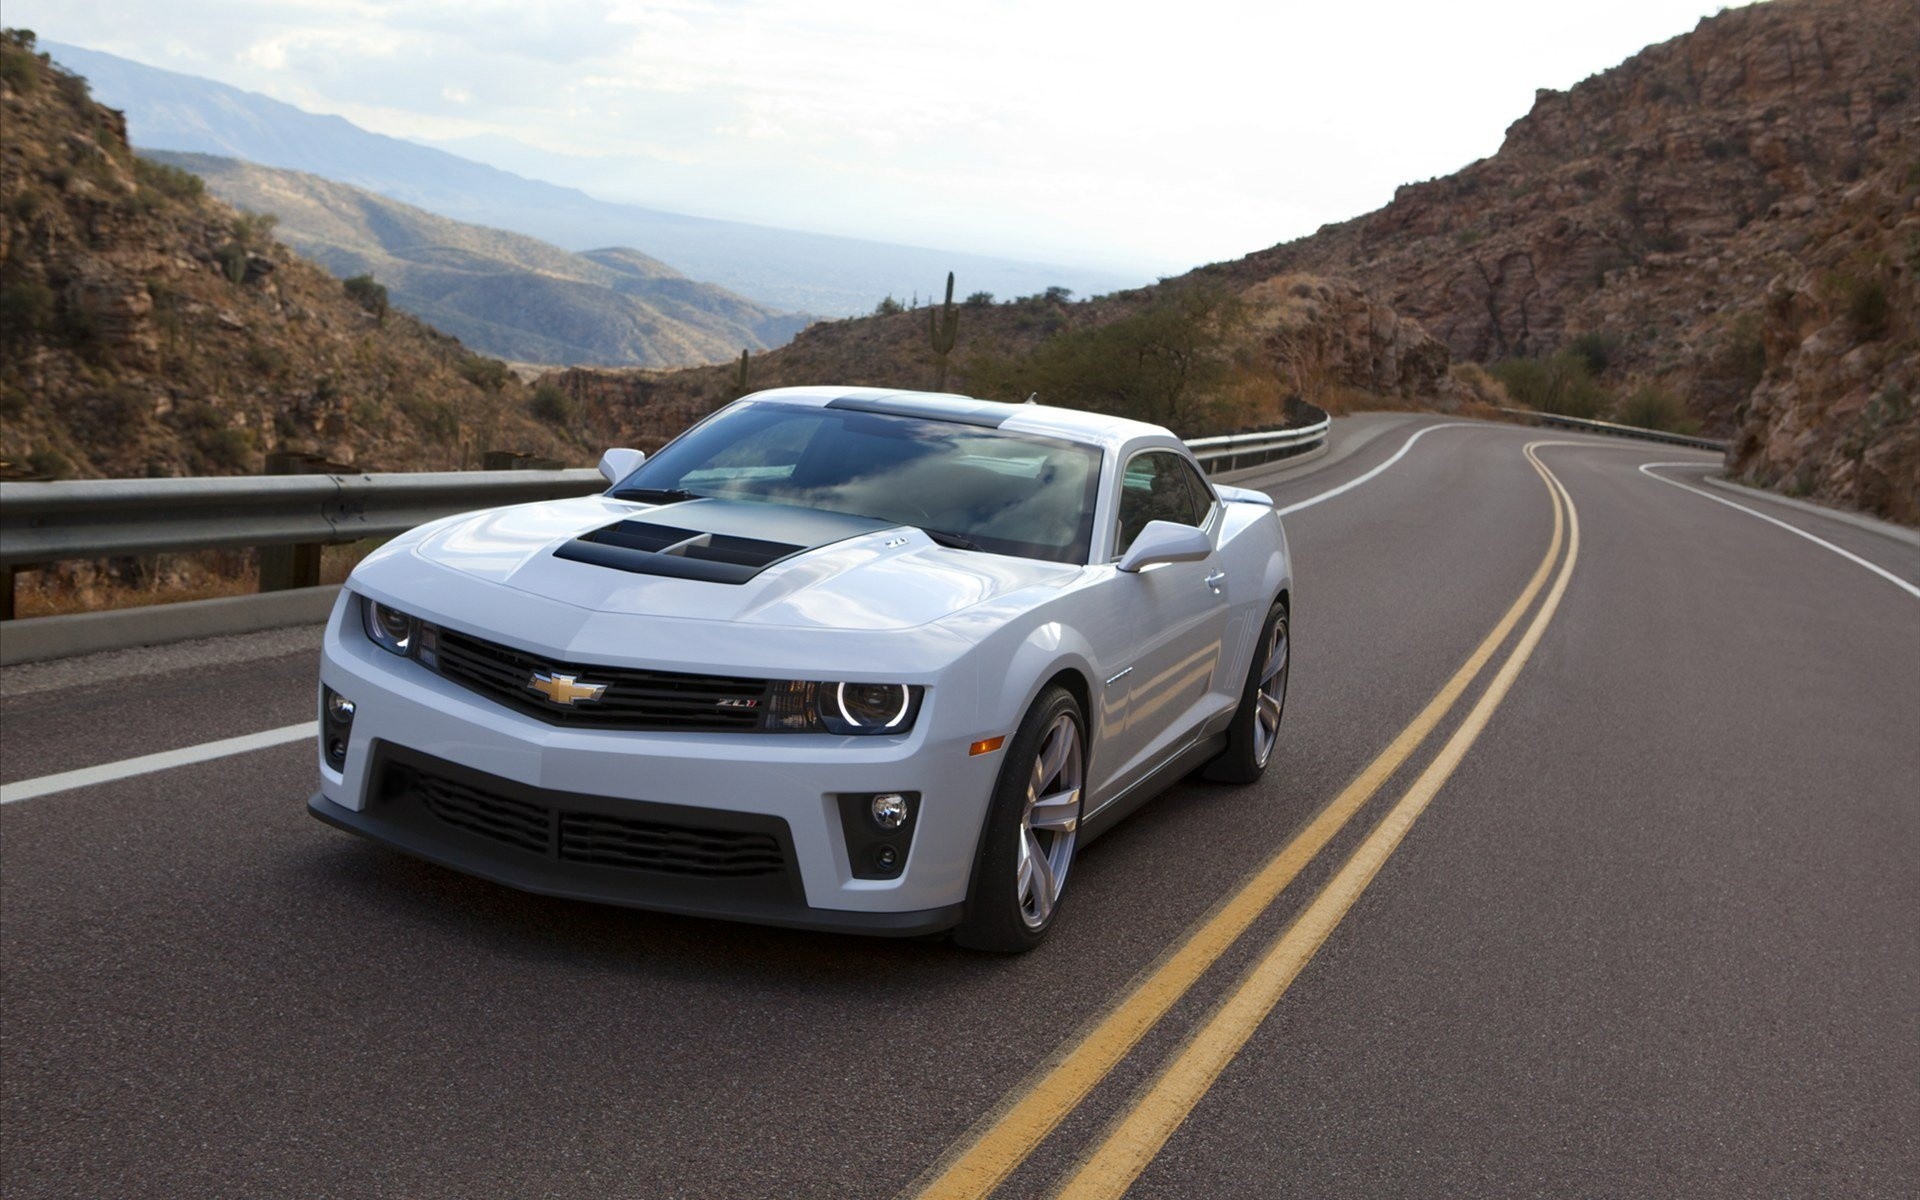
(1590, 866)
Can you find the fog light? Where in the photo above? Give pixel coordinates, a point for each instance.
(889, 810)
(339, 708)
(337, 752)
(886, 858)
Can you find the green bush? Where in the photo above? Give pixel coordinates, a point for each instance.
(254, 231)
(1560, 384)
(1596, 350)
(489, 373)
(19, 65)
(1654, 407)
(980, 299)
(1868, 306)
(551, 405)
(888, 307)
(1164, 364)
(167, 180)
(372, 296)
(26, 308)
(232, 258)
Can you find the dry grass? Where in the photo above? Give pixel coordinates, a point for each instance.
(106, 585)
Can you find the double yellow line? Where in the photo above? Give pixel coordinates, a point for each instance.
(996, 1146)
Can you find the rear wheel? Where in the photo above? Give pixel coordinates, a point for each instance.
(1256, 723)
(1033, 823)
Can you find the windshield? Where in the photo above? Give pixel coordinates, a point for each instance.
(969, 487)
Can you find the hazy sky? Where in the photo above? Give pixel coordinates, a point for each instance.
(1151, 139)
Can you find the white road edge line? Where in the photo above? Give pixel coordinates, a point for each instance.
(1647, 470)
(126, 768)
(1355, 482)
(47, 785)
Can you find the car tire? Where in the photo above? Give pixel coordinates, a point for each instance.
(1255, 731)
(1033, 822)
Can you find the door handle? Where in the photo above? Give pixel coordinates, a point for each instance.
(1215, 579)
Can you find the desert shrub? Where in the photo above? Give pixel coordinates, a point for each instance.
(489, 373)
(888, 307)
(1481, 387)
(49, 463)
(1057, 295)
(19, 66)
(26, 308)
(1867, 305)
(979, 299)
(1653, 407)
(1596, 350)
(551, 405)
(372, 296)
(254, 231)
(1560, 384)
(232, 258)
(435, 418)
(1165, 364)
(168, 180)
(231, 449)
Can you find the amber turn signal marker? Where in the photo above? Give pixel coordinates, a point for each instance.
(987, 746)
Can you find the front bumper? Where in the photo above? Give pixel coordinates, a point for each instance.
(665, 858)
(790, 783)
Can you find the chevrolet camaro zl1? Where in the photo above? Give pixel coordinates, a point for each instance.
(836, 658)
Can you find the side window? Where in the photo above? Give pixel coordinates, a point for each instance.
(1159, 485)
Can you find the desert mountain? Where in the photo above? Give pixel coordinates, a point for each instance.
(1728, 221)
(501, 293)
(782, 268)
(149, 329)
(1729, 215)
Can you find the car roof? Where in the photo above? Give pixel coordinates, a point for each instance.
(1070, 423)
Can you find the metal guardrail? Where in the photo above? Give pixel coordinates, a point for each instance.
(1555, 421)
(109, 518)
(1217, 454)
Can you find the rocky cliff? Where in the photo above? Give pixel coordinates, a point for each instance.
(147, 329)
(1708, 213)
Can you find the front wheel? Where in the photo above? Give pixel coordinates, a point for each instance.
(1256, 723)
(1033, 822)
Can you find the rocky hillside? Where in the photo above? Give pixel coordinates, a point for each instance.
(501, 293)
(1708, 214)
(148, 329)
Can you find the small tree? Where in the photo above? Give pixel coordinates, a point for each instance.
(888, 307)
(372, 296)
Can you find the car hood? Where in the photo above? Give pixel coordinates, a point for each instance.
(836, 573)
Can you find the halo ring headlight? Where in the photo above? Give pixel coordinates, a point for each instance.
(873, 705)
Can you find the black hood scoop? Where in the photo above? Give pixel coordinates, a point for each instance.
(719, 541)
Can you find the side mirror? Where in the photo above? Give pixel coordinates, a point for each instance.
(618, 463)
(1165, 542)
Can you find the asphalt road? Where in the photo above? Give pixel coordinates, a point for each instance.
(1654, 934)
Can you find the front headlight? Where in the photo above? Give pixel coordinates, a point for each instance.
(389, 628)
(399, 633)
(868, 707)
(806, 706)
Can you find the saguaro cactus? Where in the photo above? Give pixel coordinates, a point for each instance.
(740, 376)
(942, 324)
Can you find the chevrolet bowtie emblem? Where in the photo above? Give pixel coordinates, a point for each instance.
(565, 689)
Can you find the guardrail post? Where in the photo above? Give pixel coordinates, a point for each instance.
(283, 568)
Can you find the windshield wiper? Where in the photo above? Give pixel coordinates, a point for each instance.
(656, 495)
(953, 540)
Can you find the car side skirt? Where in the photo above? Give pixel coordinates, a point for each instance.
(1163, 777)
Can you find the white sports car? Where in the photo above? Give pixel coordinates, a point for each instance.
(835, 658)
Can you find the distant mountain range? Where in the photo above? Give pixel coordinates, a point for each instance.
(807, 272)
(501, 293)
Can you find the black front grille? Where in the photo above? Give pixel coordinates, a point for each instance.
(691, 844)
(634, 699)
